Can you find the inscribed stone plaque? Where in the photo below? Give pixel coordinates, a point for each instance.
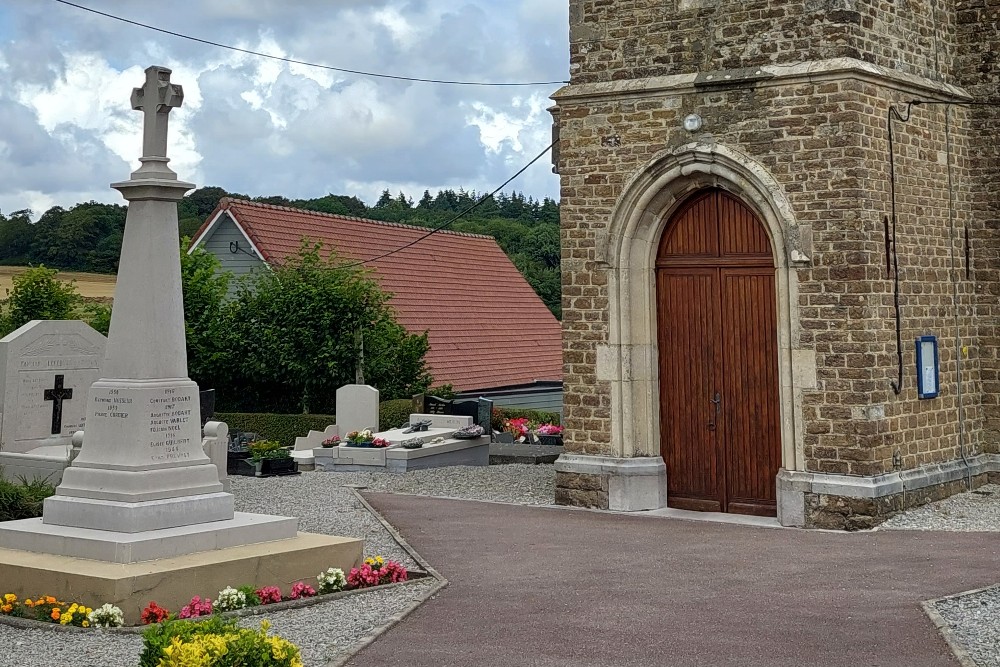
(46, 369)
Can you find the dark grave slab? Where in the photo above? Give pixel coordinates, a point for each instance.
(501, 453)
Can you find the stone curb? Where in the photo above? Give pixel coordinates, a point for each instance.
(356, 648)
(929, 607)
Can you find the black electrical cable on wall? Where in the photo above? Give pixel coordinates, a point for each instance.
(897, 385)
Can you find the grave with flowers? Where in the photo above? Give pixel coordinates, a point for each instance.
(428, 441)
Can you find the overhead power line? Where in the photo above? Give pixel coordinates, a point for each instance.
(303, 62)
(457, 216)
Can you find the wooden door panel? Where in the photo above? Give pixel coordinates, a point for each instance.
(752, 445)
(717, 320)
(689, 375)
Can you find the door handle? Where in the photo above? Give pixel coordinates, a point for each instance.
(717, 401)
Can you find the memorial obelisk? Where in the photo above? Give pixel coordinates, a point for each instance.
(142, 502)
(142, 443)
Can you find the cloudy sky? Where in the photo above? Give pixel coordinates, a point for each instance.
(263, 127)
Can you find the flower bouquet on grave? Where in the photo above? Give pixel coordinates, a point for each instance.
(412, 443)
(519, 428)
(332, 441)
(549, 434)
(380, 443)
(468, 433)
(359, 438)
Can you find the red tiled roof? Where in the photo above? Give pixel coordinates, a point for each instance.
(486, 326)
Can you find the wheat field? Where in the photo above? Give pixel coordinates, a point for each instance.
(89, 285)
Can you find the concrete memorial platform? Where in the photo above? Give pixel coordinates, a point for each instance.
(142, 496)
(439, 448)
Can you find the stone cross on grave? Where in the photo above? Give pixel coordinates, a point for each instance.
(57, 395)
(155, 99)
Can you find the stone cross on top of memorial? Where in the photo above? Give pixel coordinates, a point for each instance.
(142, 443)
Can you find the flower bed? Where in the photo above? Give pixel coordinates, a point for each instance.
(373, 572)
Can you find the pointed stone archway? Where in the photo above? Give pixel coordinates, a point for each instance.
(629, 360)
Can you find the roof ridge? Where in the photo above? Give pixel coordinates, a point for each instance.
(226, 202)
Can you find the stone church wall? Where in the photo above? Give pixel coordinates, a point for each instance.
(820, 132)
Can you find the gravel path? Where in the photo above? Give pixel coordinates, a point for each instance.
(978, 511)
(324, 505)
(975, 623)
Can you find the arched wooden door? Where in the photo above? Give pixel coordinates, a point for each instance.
(718, 349)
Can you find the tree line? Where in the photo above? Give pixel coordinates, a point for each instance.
(88, 236)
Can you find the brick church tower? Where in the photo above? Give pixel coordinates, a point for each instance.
(781, 255)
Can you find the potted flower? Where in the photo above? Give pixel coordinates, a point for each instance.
(269, 458)
(332, 441)
(380, 443)
(549, 434)
(359, 438)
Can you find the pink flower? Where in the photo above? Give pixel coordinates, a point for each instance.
(197, 607)
(388, 573)
(380, 442)
(269, 594)
(301, 589)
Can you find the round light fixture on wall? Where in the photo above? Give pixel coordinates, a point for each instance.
(692, 122)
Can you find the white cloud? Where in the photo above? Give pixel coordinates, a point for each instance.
(261, 126)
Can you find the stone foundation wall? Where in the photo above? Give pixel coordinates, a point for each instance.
(582, 490)
(842, 513)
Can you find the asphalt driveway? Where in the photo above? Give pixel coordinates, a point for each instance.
(552, 587)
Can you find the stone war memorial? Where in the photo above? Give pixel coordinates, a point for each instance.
(141, 513)
(779, 257)
(46, 369)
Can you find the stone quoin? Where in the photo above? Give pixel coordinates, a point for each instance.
(731, 283)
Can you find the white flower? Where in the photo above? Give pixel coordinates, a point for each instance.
(230, 599)
(106, 616)
(332, 580)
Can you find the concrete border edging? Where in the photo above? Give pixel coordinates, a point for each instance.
(944, 629)
(392, 621)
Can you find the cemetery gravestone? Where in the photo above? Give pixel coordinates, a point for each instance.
(436, 406)
(46, 369)
(357, 408)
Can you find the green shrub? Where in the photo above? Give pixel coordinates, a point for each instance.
(281, 428)
(536, 416)
(394, 413)
(267, 449)
(23, 499)
(215, 643)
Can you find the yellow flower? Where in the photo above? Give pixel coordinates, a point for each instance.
(379, 560)
(29, 603)
(10, 598)
(86, 624)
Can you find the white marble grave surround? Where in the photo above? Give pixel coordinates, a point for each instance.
(357, 408)
(30, 360)
(142, 475)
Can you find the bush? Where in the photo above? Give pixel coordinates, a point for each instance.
(394, 413)
(282, 428)
(23, 499)
(536, 416)
(159, 637)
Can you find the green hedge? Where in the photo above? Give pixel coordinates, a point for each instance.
(394, 413)
(537, 416)
(285, 428)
